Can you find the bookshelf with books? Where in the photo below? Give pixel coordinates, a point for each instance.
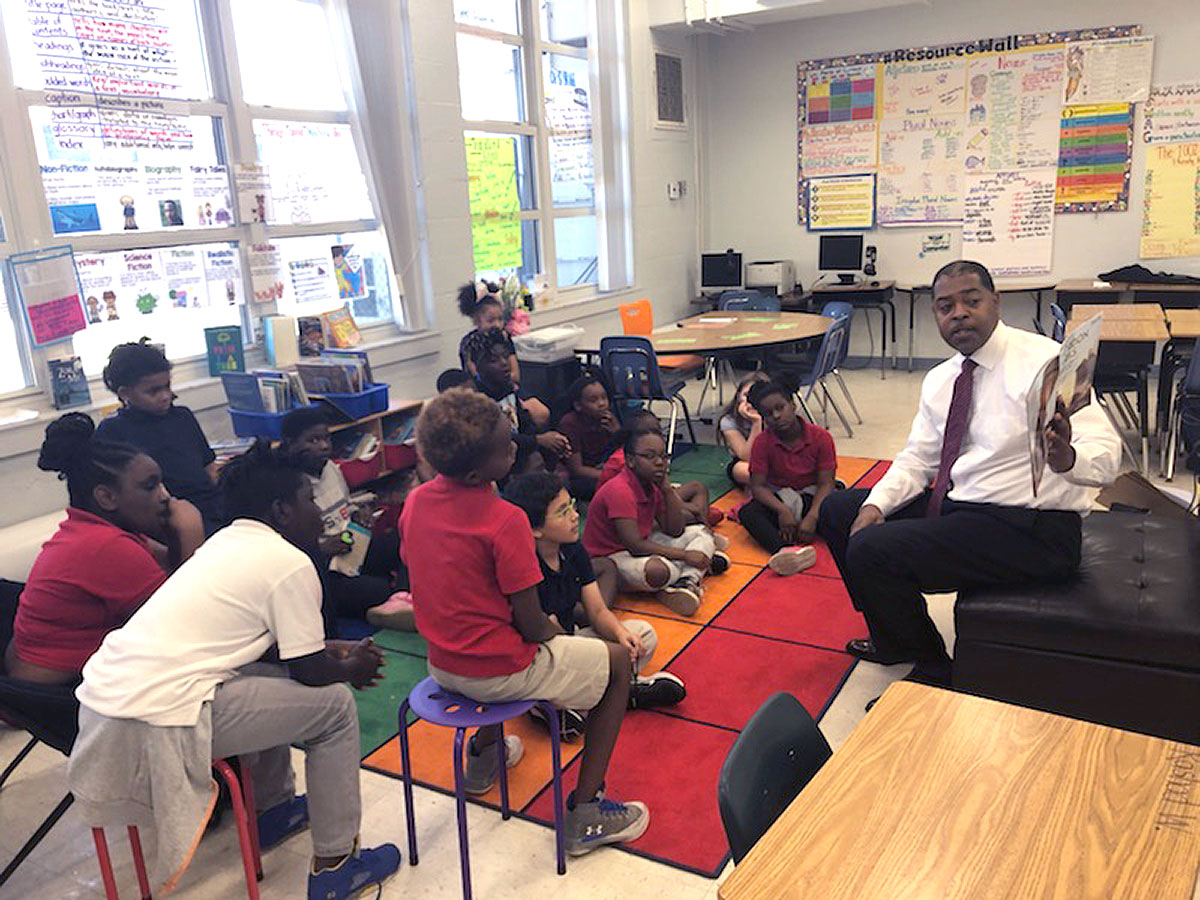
(377, 445)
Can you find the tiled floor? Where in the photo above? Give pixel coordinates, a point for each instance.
(509, 859)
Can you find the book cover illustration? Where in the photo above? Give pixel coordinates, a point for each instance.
(1065, 380)
(68, 383)
(312, 335)
(224, 347)
(340, 329)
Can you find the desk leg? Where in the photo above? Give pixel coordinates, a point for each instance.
(912, 302)
(883, 341)
(1144, 415)
(1038, 295)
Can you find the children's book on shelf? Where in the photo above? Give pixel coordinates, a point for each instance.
(224, 346)
(312, 335)
(264, 390)
(324, 376)
(280, 341)
(68, 383)
(340, 329)
(359, 356)
(242, 391)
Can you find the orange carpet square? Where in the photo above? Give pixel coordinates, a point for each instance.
(718, 590)
(673, 636)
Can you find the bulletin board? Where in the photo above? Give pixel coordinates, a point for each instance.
(926, 120)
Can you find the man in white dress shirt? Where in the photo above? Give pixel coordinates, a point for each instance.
(957, 507)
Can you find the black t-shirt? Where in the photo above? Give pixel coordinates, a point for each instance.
(177, 443)
(561, 590)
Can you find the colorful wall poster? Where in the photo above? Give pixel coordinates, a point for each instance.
(1008, 221)
(1172, 113)
(841, 202)
(928, 87)
(1095, 150)
(50, 293)
(225, 351)
(266, 273)
(1116, 70)
(1171, 205)
(312, 280)
(920, 170)
(840, 148)
(841, 94)
(183, 272)
(348, 272)
(495, 207)
(1013, 105)
(222, 274)
(254, 199)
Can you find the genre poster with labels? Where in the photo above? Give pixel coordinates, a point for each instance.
(1008, 221)
(50, 294)
(1094, 158)
(1171, 203)
(842, 202)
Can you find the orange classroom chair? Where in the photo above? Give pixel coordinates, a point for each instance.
(637, 318)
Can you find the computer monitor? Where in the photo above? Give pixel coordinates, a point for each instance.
(841, 253)
(720, 271)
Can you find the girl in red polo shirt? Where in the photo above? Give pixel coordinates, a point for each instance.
(101, 565)
(792, 469)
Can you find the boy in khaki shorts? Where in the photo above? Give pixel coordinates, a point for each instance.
(637, 521)
(474, 574)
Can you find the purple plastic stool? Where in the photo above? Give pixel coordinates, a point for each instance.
(433, 703)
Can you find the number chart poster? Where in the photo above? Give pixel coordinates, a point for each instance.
(926, 81)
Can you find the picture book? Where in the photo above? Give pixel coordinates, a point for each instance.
(1064, 381)
(326, 377)
(350, 564)
(225, 353)
(312, 335)
(68, 383)
(279, 341)
(359, 356)
(340, 330)
(242, 391)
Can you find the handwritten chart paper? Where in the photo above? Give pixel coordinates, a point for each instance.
(1008, 221)
(841, 94)
(1171, 207)
(843, 202)
(1173, 113)
(1112, 71)
(920, 170)
(1095, 148)
(492, 187)
(48, 286)
(930, 87)
(838, 149)
(1013, 104)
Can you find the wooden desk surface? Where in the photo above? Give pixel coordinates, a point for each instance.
(1183, 323)
(1087, 285)
(733, 330)
(1138, 322)
(944, 795)
(1002, 287)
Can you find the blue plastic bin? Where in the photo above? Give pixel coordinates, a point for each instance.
(258, 424)
(358, 406)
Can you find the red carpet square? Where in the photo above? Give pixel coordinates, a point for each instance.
(729, 676)
(801, 608)
(872, 477)
(852, 468)
(672, 766)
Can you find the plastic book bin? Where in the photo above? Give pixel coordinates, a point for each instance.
(267, 425)
(358, 406)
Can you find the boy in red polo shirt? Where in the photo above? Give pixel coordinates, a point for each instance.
(474, 572)
(638, 521)
(792, 468)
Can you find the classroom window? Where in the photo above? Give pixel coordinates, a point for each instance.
(286, 58)
(326, 271)
(315, 172)
(534, 203)
(12, 373)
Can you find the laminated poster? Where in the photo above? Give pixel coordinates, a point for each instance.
(50, 294)
(841, 94)
(1008, 221)
(1172, 113)
(1171, 205)
(846, 202)
(1095, 149)
(1111, 71)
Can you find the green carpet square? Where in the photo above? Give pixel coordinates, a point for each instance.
(378, 705)
(401, 642)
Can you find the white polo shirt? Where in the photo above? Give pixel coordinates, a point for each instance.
(245, 589)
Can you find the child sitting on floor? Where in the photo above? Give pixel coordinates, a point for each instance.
(481, 304)
(792, 468)
(186, 680)
(694, 494)
(637, 520)
(370, 593)
(475, 572)
(739, 426)
(148, 419)
(590, 426)
(571, 597)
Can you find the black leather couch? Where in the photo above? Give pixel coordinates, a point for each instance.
(1118, 644)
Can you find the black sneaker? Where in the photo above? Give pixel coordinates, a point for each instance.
(720, 563)
(570, 723)
(659, 689)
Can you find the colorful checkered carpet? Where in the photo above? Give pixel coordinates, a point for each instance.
(755, 634)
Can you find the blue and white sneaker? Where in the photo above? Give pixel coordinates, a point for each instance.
(359, 870)
(602, 821)
(281, 821)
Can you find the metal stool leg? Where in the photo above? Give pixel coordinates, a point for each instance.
(36, 838)
(460, 802)
(845, 390)
(504, 811)
(252, 817)
(671, 427)
(241, 819)
(406, 777)
(24, 752)
(106, 870)
(560, 841)
(139, 862)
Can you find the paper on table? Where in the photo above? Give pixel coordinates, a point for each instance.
(714, 320)
(738, 337)
(1066, 378)
(682, 340)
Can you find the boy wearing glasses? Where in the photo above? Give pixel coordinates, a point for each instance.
(570, 595)
(637, 520)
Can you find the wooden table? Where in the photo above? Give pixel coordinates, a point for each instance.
(944, 795)
(1184, 323)
(724, 332)
(1077, 290)
(1002, 287)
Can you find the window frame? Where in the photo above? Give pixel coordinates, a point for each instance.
(26, 213)
(534, 47)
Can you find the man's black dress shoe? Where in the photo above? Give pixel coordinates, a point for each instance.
(864, 648)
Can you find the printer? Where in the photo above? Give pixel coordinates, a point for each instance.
(777, 276)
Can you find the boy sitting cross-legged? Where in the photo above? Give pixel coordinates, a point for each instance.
(570, 595)
(474, 573)
(638, 521)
